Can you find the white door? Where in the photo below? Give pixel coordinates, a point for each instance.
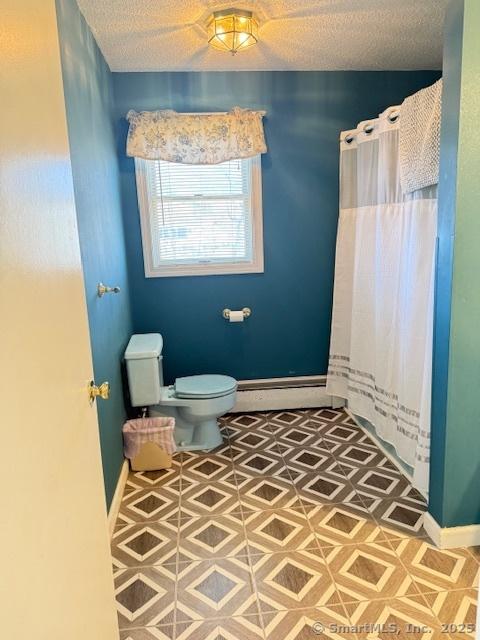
(55, 574)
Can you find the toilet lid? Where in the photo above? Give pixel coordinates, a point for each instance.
(204, 386)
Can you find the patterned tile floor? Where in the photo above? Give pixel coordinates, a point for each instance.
(297, 527)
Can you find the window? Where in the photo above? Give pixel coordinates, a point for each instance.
(200, 219)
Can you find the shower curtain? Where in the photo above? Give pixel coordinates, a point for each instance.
(381, 341)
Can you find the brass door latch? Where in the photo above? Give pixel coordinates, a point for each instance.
(102, 289)
(101, 391)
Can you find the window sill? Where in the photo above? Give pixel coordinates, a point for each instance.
(204, 270)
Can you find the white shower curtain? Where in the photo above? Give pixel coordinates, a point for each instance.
(381, 341)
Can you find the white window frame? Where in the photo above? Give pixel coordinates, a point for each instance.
(256, 265)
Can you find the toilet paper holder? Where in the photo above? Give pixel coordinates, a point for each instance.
(246, 313)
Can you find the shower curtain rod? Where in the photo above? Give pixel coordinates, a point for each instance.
(368, 127)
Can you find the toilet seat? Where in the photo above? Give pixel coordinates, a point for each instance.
(204, 386)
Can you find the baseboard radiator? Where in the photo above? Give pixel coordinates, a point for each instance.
(276, 394)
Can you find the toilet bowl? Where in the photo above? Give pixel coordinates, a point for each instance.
(196, 402)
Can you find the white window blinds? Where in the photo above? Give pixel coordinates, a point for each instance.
(198, 215)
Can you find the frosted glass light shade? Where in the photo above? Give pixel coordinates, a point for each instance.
(232, 30)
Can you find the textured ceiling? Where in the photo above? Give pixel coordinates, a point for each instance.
(169, 35)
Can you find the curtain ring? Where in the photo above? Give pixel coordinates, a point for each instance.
(393, 117)
(349, 139)
(368, 129)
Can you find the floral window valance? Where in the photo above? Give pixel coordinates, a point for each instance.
(195, 138)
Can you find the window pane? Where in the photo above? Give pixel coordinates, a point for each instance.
(186, 180)
(200, 213)
(202, 230)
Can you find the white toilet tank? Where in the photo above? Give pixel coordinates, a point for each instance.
(143, 356)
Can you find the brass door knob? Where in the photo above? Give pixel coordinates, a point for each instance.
(101, 391)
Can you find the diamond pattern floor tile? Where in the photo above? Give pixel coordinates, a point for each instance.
(249, 422)
(297, 526)
(215, 588)
(214, 498)
(329, 415)
(306, 624)
(344, 524)
(407, 618)
(212, 537)
(246, 424)
(152, 543)
(286, 418)
(251, 439)
(368, 572)
(310, 459)
(166, 632)
(456, 611)
(239, 451)
(145, 596)
(342, 433)
(159, 503)
(301, 435)
(327, 487)
(261, 463)
(379, 483)
(434, 569)
(152, 479)
(398, 516)
(261, 493)
(237, 627)
(359, 455)
(278, 530)
(207, 468)
(293, 580)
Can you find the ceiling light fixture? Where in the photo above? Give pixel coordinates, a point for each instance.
(232, 30)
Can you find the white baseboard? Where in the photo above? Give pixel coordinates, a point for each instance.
(266, 399)
(451, 537)
(117, 497)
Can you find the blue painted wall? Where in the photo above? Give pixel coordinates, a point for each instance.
(452, 74)
(88, 98)
(455, 458)
(288, 333)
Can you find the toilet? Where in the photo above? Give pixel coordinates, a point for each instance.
(196, 402)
